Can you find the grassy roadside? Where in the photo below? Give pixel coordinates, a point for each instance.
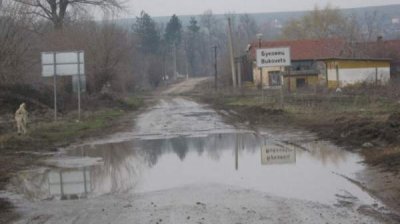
(19, 152)
(47, 134)
(355, 122)
(56, 133)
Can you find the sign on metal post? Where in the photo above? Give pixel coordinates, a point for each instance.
(65, 64)
(273, 57)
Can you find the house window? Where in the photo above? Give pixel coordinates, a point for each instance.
(302, 65)
(274, 78)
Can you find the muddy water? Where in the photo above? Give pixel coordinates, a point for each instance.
(179, 143)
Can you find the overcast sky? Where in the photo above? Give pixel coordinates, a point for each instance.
(194, 7)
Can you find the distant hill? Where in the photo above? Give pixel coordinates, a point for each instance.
(388, 16)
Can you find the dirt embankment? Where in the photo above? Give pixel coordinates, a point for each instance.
(361, 132)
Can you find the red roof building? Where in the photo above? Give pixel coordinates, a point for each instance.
(381, 49)
(308, 49)
(325, 62)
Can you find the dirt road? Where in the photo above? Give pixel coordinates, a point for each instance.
(185, 86)
(181, 163)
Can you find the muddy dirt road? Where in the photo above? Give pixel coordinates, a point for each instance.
(182, 163)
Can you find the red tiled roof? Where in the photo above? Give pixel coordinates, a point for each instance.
(307, 49)
(380, 49)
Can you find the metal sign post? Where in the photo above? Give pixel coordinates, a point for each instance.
(79, 86)
(55, 86)
(273, 57)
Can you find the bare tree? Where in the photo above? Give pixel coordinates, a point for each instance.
(108, 51)
(320, 23)
(15, 44)
(56, 10)
(210, 23)
(247, 30)
(372, 26)
(213, 34)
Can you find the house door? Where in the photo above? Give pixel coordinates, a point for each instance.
(300, 83)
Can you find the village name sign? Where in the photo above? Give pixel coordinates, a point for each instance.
(273, 57)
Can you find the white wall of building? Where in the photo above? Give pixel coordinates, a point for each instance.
(349, 76)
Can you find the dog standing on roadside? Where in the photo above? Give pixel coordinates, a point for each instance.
(21, 117)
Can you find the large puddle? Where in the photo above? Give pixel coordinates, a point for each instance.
(291, 165)
(179, 142)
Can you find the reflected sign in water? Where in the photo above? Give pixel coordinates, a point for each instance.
(70, 184)
(277, 155)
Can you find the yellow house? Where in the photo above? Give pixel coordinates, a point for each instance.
(301, 74)
(294, 80)
(343, 72)
(270, 76)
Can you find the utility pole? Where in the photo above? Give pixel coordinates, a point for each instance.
(187, 68)
(231, 53)
(239, 74)
(282, 94)
(186, 62)
(215, 69)
(259, 37)
(164, 76)
(174, 75)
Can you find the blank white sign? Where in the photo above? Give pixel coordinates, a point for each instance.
(47, 58)
(65, 64)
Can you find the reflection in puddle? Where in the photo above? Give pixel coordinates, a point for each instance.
(303, 170)
(274, 155)
(60, 184)
(70, 184)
